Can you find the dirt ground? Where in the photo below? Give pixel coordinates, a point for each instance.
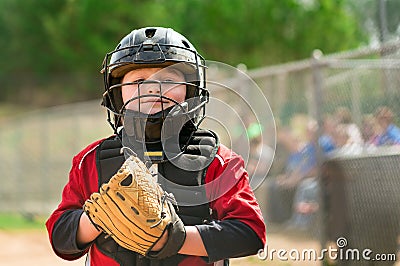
(32, 248)
(29, 248)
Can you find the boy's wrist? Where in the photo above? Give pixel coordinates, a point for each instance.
(87, 232)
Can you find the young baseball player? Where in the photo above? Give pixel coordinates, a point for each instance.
(155, 95)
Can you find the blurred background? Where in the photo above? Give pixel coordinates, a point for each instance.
(329, 70)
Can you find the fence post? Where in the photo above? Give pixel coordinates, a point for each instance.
(316, 69)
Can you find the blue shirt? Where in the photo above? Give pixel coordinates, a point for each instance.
(390, 137)
(306, 159)
(303, 160)
(326, 143)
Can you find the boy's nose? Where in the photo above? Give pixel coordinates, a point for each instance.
(151, 88)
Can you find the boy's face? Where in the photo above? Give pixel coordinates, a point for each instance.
(152, 105)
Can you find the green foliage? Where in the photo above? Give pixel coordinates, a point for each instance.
(370, 15)
(40, 41)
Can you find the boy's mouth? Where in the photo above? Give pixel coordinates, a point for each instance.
(155, 101)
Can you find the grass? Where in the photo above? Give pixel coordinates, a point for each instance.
(18, 221)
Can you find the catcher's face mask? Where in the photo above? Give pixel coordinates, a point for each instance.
(151, 90)
(149, 106)
(155, 104)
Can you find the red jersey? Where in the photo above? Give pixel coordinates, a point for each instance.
(237, 228)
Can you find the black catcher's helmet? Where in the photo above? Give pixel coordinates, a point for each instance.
(155, 47)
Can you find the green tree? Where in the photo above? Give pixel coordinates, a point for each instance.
(59, 45)
(264, 32)
(370, 14)
(25, 51)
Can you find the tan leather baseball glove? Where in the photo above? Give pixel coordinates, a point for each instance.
(135, 211)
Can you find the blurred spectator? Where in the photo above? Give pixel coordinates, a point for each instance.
(344, 117)
(390, 133)
(261, 155)
(344, 145)
(299, 140)
(370, 130)
(306, 197)
(260, 161)
(292, 194)
(281, 188)
(342, 137)
(327, 141)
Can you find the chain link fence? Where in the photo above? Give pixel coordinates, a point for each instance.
(335, 171)
(331, 178)
(37, 150)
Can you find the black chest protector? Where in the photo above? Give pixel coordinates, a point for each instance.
(183, 176)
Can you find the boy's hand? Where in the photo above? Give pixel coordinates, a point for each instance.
(134, 210)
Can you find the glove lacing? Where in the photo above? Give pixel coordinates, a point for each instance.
(164, 197)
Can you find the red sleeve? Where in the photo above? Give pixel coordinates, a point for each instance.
(83, 181)
(228, 188)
